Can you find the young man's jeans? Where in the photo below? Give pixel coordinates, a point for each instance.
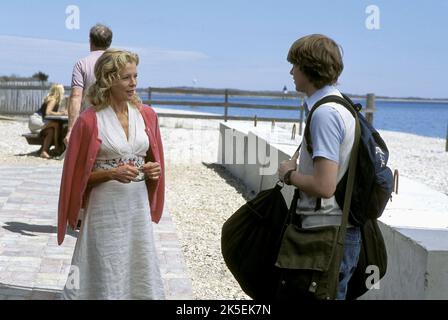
(352, 247)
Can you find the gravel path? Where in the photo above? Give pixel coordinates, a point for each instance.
(14, 150)
(201, 198)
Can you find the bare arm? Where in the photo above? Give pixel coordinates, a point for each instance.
(50, 105)
(98, 177)
(74, 106)
(49, 110)
(321, 184)
(123, 174)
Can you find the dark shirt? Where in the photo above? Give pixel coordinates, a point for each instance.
(43, 109)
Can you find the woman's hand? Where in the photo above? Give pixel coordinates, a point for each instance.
(125, 173)
(152, 170)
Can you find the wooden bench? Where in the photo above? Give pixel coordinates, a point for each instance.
(36, 139)
(33, 138)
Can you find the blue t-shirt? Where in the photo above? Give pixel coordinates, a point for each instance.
(327, 133)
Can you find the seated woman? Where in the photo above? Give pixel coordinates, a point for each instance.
(51, 131)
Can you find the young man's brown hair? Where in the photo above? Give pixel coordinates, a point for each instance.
(319, 58)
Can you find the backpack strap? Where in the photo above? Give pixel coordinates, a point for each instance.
(354, 109)
(347, 103)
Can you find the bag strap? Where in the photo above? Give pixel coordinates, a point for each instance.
(298, 150)
(350, 180)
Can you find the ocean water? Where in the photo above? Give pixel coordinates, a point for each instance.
(421, 118)
(424, 119)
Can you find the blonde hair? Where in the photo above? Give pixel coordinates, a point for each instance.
(56, 93)
(107, 71)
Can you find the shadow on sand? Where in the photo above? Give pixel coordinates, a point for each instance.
(28, 230)
(232, 181)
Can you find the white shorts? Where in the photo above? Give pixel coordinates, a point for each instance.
(35, 123)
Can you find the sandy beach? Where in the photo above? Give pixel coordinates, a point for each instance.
(201, 195)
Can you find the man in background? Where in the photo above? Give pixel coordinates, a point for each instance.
(83, 77)
(83, 74)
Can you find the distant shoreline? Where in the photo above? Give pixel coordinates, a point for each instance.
(405, 100)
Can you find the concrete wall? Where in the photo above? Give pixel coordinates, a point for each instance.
(416, 235)
(232, 149)
(248, 154)
(407, 264)
(416, 270)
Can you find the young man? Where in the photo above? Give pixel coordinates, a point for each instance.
(317, 64)
(83, 73)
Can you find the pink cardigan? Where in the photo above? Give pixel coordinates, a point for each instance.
(80, 158)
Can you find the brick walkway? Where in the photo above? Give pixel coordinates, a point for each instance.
(32, 265)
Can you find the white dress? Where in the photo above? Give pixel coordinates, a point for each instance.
(115, 255)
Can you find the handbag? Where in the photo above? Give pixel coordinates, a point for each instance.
(308, 262)
(35, 123)
(309, 259)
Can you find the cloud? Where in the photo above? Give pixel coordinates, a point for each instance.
(24, 56)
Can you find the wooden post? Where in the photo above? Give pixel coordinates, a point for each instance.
(273, 125)
(293, 134)
(255, 121)
(446, 143)
(226, 105)
(16, 105)
(370, 107)
(396, 177)
(149, 93)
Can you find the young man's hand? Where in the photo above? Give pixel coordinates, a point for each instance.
(287, 165)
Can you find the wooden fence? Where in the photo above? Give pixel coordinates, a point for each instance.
(226, 103)
(22, 99)
(25, 100)
(19, 99)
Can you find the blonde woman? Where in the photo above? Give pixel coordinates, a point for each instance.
(114, 169)
(50, 131)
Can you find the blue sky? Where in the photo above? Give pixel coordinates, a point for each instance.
(237, 44)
